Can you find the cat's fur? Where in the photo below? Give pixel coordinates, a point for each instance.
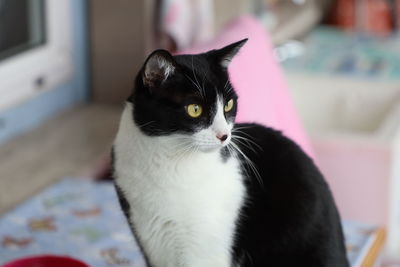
(193, 200)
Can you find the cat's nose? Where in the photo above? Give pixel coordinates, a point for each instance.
(222, 137)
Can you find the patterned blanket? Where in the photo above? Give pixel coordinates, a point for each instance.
(82, 219)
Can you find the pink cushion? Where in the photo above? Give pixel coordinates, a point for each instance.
(263, 93)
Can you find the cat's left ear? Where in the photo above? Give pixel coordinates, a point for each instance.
(226, 54)
(159, 66)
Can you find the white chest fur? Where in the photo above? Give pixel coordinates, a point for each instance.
(184, 208)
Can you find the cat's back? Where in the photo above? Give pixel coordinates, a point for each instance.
(289, 204)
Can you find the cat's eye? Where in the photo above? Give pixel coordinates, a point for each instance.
(194, 110)
(228, 106)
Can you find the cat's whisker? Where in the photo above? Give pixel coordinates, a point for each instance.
(145, 124)
(249, 162)
(241, 127)
(242, 136)
(244, 143)
(195, 77)
(178, 147)
(191, 150)
(245, 139)
(226, 83)
(183, 153)
(184, 149)
(197, 87)
(204, 77)
(231, 151)
(202, 84)
(196, 148)
(228, 87)
(182, 145)
(179, 155)
(239, 130)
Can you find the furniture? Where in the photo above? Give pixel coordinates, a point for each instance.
(71, 143)
(122, 34)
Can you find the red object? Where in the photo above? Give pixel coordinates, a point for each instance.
(398, 15)
(379, 17)
(46, 261)
(368, 16)
(343, 14)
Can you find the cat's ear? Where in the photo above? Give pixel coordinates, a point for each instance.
(226, 54)
(159, 66)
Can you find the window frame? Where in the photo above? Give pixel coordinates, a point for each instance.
(44, 67)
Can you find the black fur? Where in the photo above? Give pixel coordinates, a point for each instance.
(289, 217)
(225, 154)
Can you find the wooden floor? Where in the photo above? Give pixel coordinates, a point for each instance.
(69, 145)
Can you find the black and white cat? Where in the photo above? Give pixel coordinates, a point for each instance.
(201, 191)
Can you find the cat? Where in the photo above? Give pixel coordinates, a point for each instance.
(199, 190)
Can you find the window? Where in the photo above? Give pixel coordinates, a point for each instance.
(21, 26)
(35, 48)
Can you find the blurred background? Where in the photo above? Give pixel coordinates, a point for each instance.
(66, 67)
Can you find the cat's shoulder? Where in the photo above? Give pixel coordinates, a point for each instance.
(267, 146)
(265, 136)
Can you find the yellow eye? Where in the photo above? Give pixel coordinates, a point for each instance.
(194, 110)
(228, 106)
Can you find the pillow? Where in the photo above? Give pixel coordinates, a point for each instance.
(257, 78)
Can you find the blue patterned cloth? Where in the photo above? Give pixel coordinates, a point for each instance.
(82, 219)
(74, 217)
(329, 51)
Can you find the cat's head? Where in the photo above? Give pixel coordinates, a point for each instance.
(187, 96)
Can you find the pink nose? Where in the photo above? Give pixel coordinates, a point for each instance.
(222, 137)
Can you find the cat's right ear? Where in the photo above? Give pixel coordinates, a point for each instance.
(159, 66)
(225, 54)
